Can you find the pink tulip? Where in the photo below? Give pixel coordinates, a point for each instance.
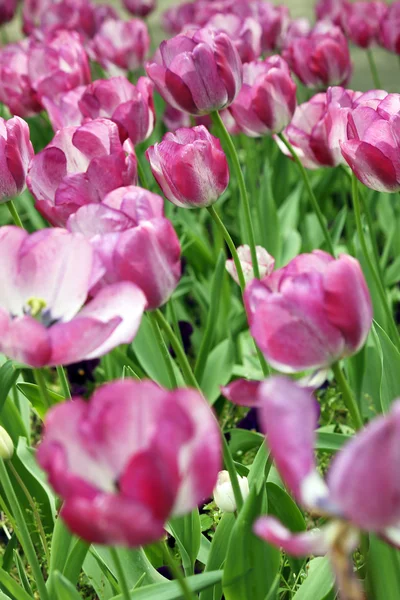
(311, 313)
(16, 91)
(80, 165)
(174, 119)
(245, 33)
(57, 64)
(63, 109)
(267, 100)
(361, 20)
(274, 21)
(197, 72)
(265, 261)
(129, 459)
(360, 487)
(331, 10)
(372, 146)
(320, 59)
(7, 10)
(297, 28)
(190, 167)
(130, 107)
(120, 45)
(46, 278)
(389, 35)
(133, 240)
(16, 152)
(140, 8)
(176, 17)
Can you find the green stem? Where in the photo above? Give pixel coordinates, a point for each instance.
(175, 322)
(348, 397)
(63, 382)
(41, 383)
(374, 274)
(120, 574)
(22, 532)
(374, 70)
(168, 360)
(35, 511)
(230, 147)
(230, 245)
(176, 571)
(314, 201)
(230, 467)
(14, 213)
(144, 182)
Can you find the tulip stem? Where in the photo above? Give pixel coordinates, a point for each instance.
(378, 283)
(22, 532)
(230, 147)
(230, 244)
(176, 572)
(143, 180)
(13, 212)
(230, 467)
(120, 574)
(310, 192)
(374, 70)
(348, 397)
(63, 382)
(164, 351)
(41, 383)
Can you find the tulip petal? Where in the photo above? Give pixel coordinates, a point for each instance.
(24, 339)
(314, 542)
(371, 166)
(243, 392)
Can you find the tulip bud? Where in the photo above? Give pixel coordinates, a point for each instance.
(390, 29)
(7, 10)
(16, 152)
(16, 91)
(360, 21)
(190, 167)
(266, 263)
(140, 8)
(223, 493)
(6, 445)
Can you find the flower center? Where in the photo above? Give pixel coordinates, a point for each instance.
(34, 307)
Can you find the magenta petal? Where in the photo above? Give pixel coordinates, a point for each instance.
(314, 542)
(243, 392)
(24, 339)
(371, 166)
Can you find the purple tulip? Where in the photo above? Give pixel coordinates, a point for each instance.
(7, 10)
(245, 33)
(47, 277)
(81, 165)
(197, 72)
(389, 35)
(361, 21)
(133, 241)
(16, 152)
(190, 167)
(63, 109)
(274, 21)
(267, 100)
(311, 313)
(140, 8)
(129, 459)
(16, 91)
(331, 10)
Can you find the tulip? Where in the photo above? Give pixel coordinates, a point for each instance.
(6, 445)
(297, 28)
(197, 72)
(130, 107)
(133, 241)
(63, 109)
(47, 276)
(16, 152)
(265, 261)
(58, 64)
(174, 119)
(176, 17)
(16, 91)
(158, 456)
(389, 35)
(7, 10)
(360, 492)
(372, 146)
(267, 100)
(274, 21)
(331, 10)
(120, 45)
(140, 8)
(361, 20)
(321, 58)
(223, 492)
(245, 34)
(190, 167)
(80, 165)
(311, 313)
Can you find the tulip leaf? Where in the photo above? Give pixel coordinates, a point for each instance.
(218, 553)
(383, 569)
(218, 370)
(8, 377)
(330, 442)
(319, 581)
(251, 564)
(187, 532)
(134, 563)
(64, 589)
(242, 440)
(12, 587)
(390, 382)
(22, 573)
(32, 392)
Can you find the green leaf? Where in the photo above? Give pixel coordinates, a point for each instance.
(218, 370)
(172, 590)
(12, 587)
(243, 440)
(78, 551)
(60, 546)
(390, 383)
(8, 377)
(251, 564)
(218, 553)
(32, 392)
(330, 442)
(319, 581)
(64, 588)
(187, 532)
(134, 564)
(383, 570)
(149, 354)
(22, 573)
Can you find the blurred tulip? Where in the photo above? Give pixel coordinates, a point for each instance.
(6, 445)
(265, 261)
(198, 72)
(63, 109)
(274, 21)
(311, 313)
(321, 58)
(133, 241)
(58, 64)
(245, 34)
(158, 456)
(372, 147)
(16, 91)
(389, 35)
(130, 107)
(190, 167)
(16, 152)
(267, 100)
(297, 28)
(140, 8)
(176, 17)
(46, 278)
(81, 165)
(120, 45)
(223, 494)
(7, 10)
(331, 10)
(361, 20)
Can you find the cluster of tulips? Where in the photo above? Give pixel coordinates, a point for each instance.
(97, 260)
